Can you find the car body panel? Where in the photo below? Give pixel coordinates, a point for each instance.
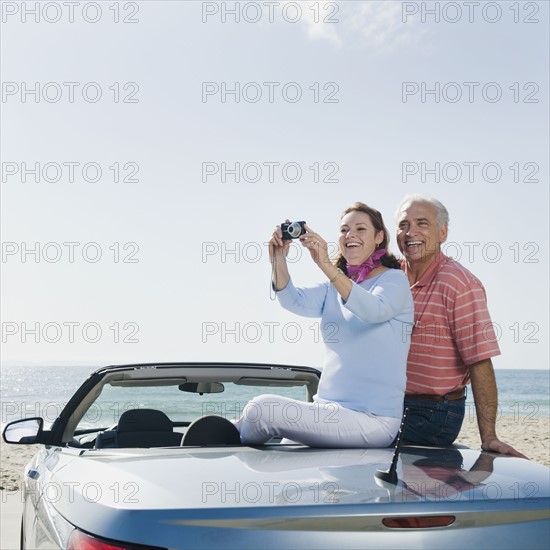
(273, 495)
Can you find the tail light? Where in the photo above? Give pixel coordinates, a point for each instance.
(418, 522)
(82, 541)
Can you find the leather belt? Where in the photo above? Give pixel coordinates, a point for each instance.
(452, 396)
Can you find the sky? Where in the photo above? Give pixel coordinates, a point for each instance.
(148, 150)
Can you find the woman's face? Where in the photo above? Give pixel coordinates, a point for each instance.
(358, 238)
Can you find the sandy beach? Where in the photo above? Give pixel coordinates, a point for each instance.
(530, 436)
(13, 459)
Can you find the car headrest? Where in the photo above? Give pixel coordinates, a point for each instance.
(144, 420)
(211, 430)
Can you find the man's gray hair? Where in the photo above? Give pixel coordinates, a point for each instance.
(442, 215)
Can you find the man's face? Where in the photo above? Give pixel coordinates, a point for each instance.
(418, 236)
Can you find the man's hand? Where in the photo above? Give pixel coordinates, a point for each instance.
(494, 445)
(484, 388)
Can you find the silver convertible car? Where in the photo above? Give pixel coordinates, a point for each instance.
(146, 457)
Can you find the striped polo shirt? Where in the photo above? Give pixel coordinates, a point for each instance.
(453, 329)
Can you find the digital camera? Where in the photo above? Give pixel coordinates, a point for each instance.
(292, 230)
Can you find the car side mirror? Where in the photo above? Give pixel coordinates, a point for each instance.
(23, 432)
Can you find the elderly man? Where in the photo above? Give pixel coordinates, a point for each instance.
(452, 341)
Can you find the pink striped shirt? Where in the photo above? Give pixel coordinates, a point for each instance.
(453, 329)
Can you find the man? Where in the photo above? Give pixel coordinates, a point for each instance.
(453, 339)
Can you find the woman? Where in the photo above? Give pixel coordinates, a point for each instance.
(366, 311)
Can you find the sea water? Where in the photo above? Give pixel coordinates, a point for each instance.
(44, 390)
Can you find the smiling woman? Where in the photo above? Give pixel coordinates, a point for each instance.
(367, 311)
(363, 235)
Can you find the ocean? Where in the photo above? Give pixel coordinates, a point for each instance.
(42, 391)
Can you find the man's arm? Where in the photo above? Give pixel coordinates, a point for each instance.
(484, 388)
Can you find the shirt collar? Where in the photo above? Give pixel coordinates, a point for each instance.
(428, 275)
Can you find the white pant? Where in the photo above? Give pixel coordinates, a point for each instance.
(318, 424)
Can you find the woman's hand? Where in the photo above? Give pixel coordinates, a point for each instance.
(278, 248)
(317, 246)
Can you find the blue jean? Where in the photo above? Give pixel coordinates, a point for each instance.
(431, 423)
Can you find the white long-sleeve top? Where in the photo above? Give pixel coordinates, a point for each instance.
(367, 340)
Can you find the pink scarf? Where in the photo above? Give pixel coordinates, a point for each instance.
(360, 272)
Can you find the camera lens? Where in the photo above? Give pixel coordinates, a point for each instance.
(294, 230)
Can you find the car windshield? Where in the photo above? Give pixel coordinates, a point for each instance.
(180, 406)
